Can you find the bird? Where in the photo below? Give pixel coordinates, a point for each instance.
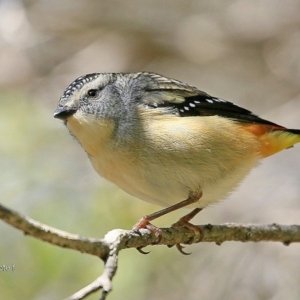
(166, 142)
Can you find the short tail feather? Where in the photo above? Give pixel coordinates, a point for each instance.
(278, 140)
(274, 138)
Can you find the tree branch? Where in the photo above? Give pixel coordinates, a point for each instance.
(52, 235)
(115, 240)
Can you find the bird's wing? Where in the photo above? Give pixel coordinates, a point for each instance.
(187, 101)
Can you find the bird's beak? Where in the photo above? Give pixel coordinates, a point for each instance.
(63, 113)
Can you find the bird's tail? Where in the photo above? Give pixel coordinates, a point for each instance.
(274, 138)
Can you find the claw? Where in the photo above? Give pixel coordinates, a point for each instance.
(193, 227)
(184, 222)
(180, 249)
(142, 251)
(144, 223)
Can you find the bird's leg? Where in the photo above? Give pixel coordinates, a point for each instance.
(144, 222)
(184, 221)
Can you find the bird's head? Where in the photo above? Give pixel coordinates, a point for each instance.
(91, 108)
(91, 95)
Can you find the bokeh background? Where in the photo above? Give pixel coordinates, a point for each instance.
(247, 52)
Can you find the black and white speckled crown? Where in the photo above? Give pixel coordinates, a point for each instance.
(78, 83)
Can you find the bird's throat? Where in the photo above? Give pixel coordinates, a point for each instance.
(92, 133)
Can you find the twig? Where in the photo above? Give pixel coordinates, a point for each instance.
(102, 282)
(52, 235)
(115, 240)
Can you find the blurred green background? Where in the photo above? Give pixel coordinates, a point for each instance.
(244, 51)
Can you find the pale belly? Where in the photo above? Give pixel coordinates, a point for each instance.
(166, 185)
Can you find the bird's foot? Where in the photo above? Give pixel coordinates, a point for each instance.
(184, 222)
(145, 223)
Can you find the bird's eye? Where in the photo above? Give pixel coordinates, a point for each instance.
(92, 93)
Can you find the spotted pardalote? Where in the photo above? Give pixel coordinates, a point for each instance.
(164, 141)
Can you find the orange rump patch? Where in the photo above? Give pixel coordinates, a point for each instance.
(272, 138)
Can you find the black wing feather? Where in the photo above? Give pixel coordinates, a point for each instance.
(206, 105)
